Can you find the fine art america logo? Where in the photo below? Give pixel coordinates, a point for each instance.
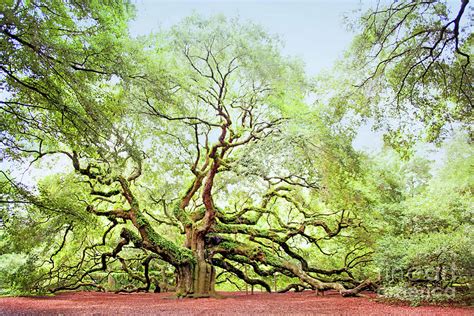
(423, 283)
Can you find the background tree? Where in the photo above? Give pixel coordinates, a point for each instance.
(54, 58)
(57, 71)
(412, 70)
(424, 251)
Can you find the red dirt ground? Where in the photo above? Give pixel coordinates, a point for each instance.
(305, 303)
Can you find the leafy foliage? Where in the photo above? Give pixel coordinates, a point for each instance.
(190, 158)
(410, 70)
(428, 237)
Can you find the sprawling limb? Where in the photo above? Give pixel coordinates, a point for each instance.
(231, 249)
(294, 286)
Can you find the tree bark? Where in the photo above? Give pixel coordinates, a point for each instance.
(198, 279)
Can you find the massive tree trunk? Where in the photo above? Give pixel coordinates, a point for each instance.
(196, 279)
(204, 272)
(184, 279)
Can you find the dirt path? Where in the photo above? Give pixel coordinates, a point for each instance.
(306, 303)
